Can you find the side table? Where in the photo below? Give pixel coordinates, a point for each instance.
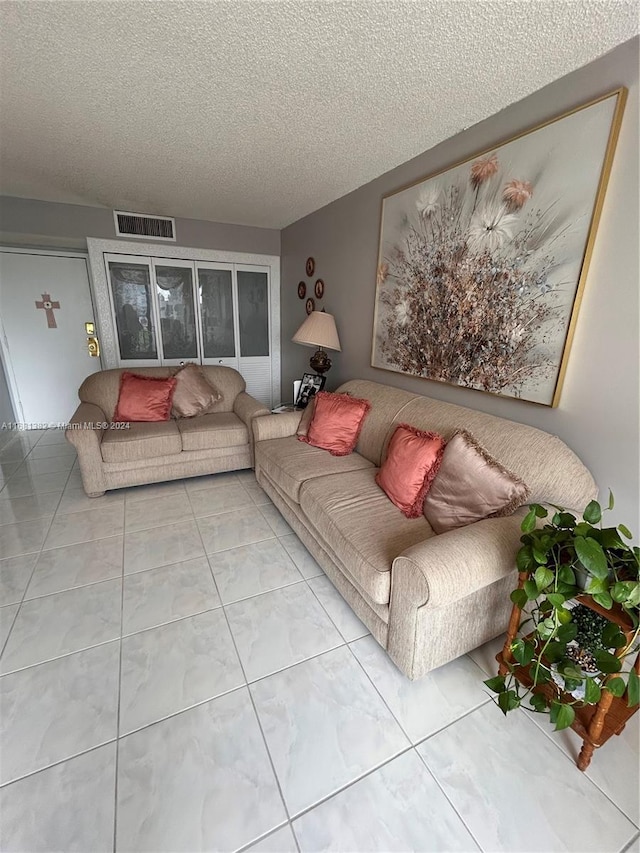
(595, 724)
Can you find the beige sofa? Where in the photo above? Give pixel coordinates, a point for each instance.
(111, 458)
(426, 598)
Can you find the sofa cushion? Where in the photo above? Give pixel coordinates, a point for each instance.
(215, 430)
(361, 526)
(141, 441)
(289, 463)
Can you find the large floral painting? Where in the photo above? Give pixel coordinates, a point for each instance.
(481, 267)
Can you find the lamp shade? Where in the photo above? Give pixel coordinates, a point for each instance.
(318, 330)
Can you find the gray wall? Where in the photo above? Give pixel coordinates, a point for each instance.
(598, 411)
(66, 226)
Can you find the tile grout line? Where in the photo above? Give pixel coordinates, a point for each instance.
(118, 703)
(444, 794)
(36, 561)
(246, 684)
(57, 763)
(253, 705)
(549, 736)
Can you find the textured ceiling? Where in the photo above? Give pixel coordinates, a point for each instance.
(261, 112)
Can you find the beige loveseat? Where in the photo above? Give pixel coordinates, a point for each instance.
(426, 598)
(111, 457)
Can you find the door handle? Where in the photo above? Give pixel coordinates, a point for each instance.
(93, 347)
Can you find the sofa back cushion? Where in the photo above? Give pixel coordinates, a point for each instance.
(386, 405)
(552, 471)
(102, 388)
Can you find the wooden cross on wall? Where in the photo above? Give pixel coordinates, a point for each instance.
(48, 306)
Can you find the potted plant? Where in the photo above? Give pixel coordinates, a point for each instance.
(579, 594)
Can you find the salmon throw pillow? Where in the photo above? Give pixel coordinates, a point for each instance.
(144, 398)
(336, 422)
(412, 462)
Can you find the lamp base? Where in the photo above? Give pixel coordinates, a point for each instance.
(320, 362)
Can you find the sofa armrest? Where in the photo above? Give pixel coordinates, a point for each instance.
(276, 426)
(450, 594)
(85, 431)
(247, 408)
(450, 566)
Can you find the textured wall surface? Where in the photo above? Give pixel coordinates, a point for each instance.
(66, 226)
(261, 112)
(598, 412)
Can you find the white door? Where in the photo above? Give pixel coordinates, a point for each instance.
(45, 300)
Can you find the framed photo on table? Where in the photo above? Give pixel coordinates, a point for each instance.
(311, 384)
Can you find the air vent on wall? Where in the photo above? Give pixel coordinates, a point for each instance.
(144, 225)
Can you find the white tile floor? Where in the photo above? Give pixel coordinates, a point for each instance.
(179, 674)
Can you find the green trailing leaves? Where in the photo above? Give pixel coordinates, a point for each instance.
(519, 597)
(543, 577)
(522, 651)
(570, 565)
(604, 600)
(538, 702)
(529, 521)
(508, 700)
(531, 590)
(625, 531)
(496, 684)
(591, 556)
(564, 520)
(616, 686)
(607, 662)
(612, 636)
(592, 691)
(633, 689)
(562, 715)
(567, 632)
(592, 512)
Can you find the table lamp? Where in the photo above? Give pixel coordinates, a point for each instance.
(319, 330)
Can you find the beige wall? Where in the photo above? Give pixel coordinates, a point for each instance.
(25, 221)
(598, 411)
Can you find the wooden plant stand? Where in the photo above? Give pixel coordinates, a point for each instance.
(595, 724)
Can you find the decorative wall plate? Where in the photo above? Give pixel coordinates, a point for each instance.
(311, 267)
(302, 290)
(319, 289)
(310, 305)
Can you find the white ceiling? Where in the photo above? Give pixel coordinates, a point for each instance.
(261, 112)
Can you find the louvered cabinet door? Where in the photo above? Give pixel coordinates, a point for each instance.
(254, 331)
(217, 310)
(134, 309)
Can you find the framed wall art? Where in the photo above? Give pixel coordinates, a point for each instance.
(482, 266)
(310, 266)
(319, 288)
(302, 290)
(310, 305)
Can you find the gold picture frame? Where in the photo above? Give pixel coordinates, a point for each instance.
(482, 265)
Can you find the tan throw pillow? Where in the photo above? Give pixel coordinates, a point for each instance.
(471, 485)
(194, 394)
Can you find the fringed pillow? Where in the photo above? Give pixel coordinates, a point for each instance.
(471, 485)
(413, 459)
(143, 398)
(336, 422)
